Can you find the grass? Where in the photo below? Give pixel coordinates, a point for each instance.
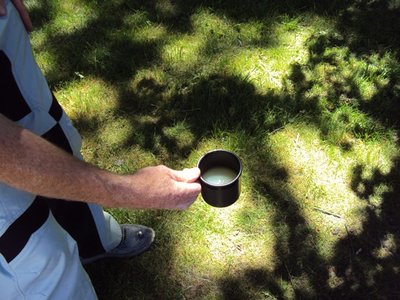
(305, 92)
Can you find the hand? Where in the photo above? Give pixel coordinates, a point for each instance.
(23, 12)
(161, 187)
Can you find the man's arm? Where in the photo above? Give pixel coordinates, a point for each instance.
(30, 163)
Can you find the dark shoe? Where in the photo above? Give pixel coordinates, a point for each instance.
(135, 240)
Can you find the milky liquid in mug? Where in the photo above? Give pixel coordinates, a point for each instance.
(219, 176)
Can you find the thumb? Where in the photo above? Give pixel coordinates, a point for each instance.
(187, 175)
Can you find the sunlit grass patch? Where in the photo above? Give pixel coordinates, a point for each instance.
(260, 68)
(346, 123)
(183, 52)
(46, 61)
(221, 245)
(319, 176)
(238, 47)
(375, 156)
(69, 16)
(87, 98)
(141, 29)
(208, 24)
(180, 135)
(149, 33)
(136, 20)
(267, 67)
(115, 132)
(218, 242)
(127, 161)
(345, 76)
(120, 136)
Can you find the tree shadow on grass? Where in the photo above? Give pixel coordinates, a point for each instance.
(233, 104)
(230, 103)
(366, 264)
(300, 272)
(372, 268)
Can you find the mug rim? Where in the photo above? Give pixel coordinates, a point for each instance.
(239, 173)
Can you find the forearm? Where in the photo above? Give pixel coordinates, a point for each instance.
(30, 163)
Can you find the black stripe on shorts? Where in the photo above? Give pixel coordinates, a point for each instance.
(17, 235)
(77, 219)
(12, 103)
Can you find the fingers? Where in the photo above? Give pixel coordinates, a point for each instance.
(191, 189)
(187, 175)
(186, 183)
(188, 194)
(19, 5)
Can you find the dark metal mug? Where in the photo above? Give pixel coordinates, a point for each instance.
(220, 195)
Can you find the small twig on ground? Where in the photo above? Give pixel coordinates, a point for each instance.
(345, 226)
(328, 213)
